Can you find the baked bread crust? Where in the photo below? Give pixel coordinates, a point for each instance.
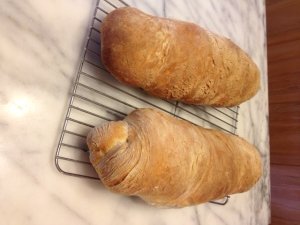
(176, 60)
(169, 162)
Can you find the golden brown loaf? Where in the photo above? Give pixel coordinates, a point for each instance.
(170, 162)
(176, 60)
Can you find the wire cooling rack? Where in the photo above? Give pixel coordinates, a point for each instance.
(98, 97)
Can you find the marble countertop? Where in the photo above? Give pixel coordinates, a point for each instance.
(40, 46)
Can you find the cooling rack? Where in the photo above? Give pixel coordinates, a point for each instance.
(98, 97)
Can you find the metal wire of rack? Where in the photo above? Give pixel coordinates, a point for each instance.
(98, 97)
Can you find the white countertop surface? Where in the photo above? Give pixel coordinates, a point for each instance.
(40, 46)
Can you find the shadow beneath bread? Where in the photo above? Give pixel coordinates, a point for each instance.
(137, 200)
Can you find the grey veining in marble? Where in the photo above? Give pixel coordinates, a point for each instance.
(40, 46)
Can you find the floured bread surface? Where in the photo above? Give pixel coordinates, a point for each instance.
(176, 60)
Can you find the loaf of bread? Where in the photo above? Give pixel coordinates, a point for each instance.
(170, 162)
(176, 60)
